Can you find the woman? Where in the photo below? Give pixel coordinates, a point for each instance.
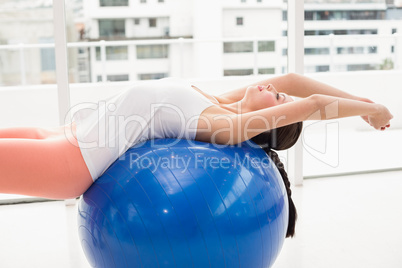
(63, 162)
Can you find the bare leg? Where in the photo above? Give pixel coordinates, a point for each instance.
(50, 168)
(28, 132)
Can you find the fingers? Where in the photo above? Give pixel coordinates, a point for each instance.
(387, 126)
(366, 100)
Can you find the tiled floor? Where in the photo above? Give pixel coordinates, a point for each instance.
(349, 221)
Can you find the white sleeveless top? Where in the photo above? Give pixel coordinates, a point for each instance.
(166, 108)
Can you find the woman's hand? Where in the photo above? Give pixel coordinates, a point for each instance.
(365, 117)
(380, 119)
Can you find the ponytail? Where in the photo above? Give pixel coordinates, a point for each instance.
(292, 208)
(281, 139)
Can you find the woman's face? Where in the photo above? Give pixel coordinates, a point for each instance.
(260, 97)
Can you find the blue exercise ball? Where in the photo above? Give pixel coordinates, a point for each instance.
(181, 203)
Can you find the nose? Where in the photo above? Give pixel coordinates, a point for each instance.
(271, 88)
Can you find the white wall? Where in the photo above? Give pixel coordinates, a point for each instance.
(26, 26)
(260, 21)
(181, 17)
(143, 29)
(31, 26)
(207, 18)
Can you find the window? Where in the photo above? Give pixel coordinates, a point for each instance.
(266, 71)
(323, 15)
(367, 15)
(47, 56)
(344, 15)
(82, 66)
(362, 67)
(113, 53)
(136, 21)
(118, 77)
(238, 72)
(114, 78)
(112, 28)
(316, 51)
(266, 46)
(316, 68)
(322, 68)
(152, 76)
(161, 1)
(238, 47)
(243, 1)
(350, 50)
(340, 32)
(152, 23)
(109, 3)
(143, 1)
(308, 15)
(239, 21)
(152, 51)
(372, 50)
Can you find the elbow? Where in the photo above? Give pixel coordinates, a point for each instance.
(315, 103)
(291, 85)
(292, 77)
(314, 99)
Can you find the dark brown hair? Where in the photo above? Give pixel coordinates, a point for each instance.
(281, 139)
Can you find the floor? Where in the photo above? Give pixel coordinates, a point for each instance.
(348, 221)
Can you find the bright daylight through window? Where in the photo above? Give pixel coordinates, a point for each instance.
(127, 40)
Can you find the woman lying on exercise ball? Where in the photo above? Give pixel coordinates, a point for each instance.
(63, 162)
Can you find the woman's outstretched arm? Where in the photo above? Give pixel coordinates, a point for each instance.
(294, 85)
(234, 129)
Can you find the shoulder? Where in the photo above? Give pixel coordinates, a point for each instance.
(211, 120)
(212, 114)
(215, 110)
(222, 99)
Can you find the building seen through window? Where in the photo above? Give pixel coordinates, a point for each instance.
(109, 3)
(354, 32)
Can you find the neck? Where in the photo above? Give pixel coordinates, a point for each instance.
(238, 107)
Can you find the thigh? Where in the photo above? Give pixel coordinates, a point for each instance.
(28, 132)
(50, 168)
